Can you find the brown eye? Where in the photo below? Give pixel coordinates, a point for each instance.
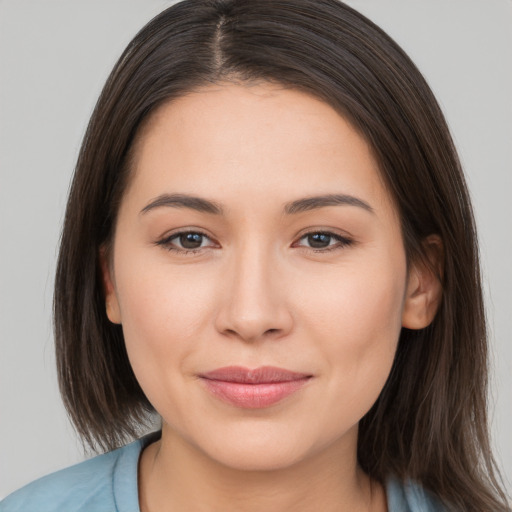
(186, 241)
(319, 240)
(191, 240)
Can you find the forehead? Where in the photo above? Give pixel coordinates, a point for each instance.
(253, 139)
(225, 114)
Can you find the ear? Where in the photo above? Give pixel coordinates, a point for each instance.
(111, 302)
(424, 287)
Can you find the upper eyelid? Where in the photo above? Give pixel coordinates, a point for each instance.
(298, 236)
(322, 232)
(167, 238)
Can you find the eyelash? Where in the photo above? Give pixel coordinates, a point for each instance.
(166, 242)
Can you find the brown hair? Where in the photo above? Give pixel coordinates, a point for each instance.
(430, 421)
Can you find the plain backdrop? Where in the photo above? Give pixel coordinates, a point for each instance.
(54, 58)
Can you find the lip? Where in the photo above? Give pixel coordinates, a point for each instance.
(253, 389)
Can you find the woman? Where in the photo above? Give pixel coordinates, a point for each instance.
(269, 242)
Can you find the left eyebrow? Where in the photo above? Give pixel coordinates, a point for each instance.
(315, 202)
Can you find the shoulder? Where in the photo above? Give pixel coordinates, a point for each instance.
(105, 483)
(409, 496)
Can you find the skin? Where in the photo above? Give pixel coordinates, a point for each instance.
(257, 293)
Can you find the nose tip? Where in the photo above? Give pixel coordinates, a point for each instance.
(254, 305)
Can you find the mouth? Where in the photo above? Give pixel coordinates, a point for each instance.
(253, 389)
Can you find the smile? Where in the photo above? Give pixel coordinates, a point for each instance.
(253, 389)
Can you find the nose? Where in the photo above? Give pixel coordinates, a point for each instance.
(253, 303)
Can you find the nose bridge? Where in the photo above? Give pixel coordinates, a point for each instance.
(254, 303)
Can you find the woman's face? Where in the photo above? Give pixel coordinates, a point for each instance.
(256, 231)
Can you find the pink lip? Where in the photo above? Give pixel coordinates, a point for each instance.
(253, 389)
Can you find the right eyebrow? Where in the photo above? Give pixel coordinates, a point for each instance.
(315, 202)
(184, 201)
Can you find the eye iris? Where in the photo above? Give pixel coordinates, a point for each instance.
(319, 240)
(191, 240)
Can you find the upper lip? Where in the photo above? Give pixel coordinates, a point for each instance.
(261, 375)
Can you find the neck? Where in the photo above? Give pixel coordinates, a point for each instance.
(175, 475)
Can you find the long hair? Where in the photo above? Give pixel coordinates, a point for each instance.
(430, 421)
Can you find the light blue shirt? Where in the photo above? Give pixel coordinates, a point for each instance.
(108, 483)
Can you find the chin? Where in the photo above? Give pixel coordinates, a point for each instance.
(262, 447)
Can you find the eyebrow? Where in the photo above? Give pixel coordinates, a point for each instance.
(315, 202)
(184, 201)
(298, 206)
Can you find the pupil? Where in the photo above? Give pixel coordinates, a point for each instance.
(191, 240)
(319, 240)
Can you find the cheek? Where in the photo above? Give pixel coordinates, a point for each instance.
(163, 310)
(356, 324)
(358, 304)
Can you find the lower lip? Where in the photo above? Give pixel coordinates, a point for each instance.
(253, 396)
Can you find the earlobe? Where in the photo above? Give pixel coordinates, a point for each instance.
(424, 287)
(111, 302)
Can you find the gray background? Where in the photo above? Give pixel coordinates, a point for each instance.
(54, 58)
